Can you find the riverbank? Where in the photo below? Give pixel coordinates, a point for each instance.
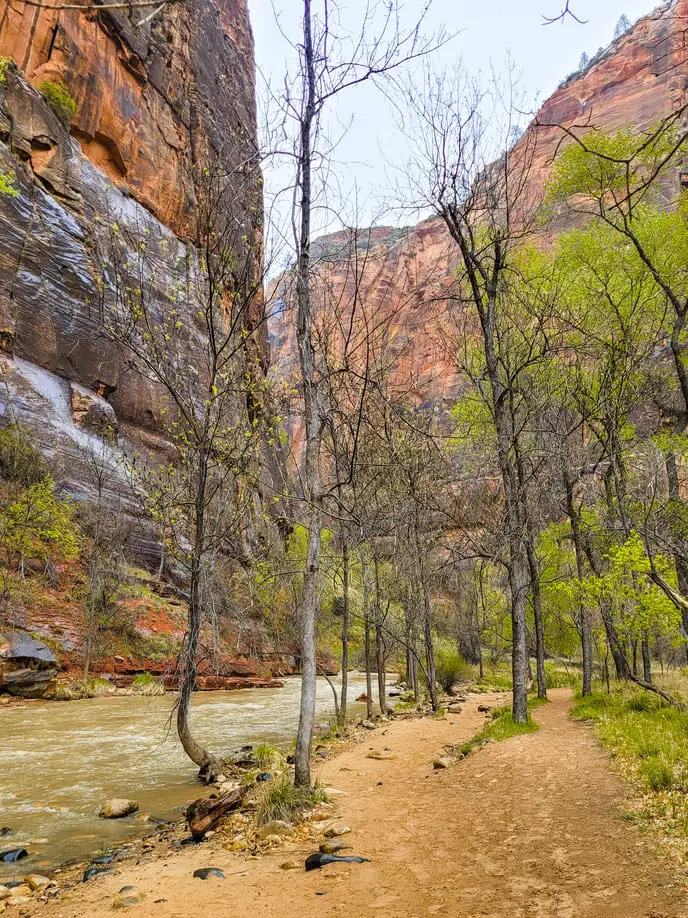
(532, 826)
(61, 761)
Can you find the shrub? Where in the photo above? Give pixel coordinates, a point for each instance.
(450, 667)
(39, 525)
(281, 800)
(146, 684)
(58, 98)
(6, 63)
(20, 459)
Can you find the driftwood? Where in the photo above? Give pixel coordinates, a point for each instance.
(204, 814)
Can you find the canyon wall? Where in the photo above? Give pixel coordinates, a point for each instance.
(406, 275)
(154, 103)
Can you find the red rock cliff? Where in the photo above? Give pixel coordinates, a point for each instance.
(639, 79)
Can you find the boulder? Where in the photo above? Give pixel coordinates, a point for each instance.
(27, 667)
(442, 762)
(117, 808)
(454, 708)
(35, 881)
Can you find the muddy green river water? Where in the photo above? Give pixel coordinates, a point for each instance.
(60, 760)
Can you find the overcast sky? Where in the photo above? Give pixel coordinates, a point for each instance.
(488, 31)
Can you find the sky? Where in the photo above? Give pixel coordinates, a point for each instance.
(487, 33)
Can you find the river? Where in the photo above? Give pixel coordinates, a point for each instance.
(60, 760)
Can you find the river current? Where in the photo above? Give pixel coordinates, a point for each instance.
(60, 760)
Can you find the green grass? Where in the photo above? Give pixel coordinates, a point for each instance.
(280, 799)
(58, 98)
(649, 737)
(265, 755)
(648, 742)
(501, 727)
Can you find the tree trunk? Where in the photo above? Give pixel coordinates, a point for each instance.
(309, 606)
(207, 763)
(534, 568)
(518, 581)
(586, 618)
(368, 667)
(679, 560)
(345, 630)
(379, 642)
(312, 417)
(647, 665)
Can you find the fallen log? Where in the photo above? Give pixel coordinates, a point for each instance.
(203, 815)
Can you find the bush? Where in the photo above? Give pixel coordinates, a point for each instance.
(145, 684)
(450, 667)
(58, 98)
(20, 459)
(38, 525)
(281, 800)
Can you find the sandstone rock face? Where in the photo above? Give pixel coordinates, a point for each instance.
(149, 98)
(153, 103)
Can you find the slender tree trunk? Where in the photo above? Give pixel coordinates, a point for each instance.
(365, 579)
(379, 642)
(634, 655)
(534, 568)
(679, 560)
(312, 419)
(345, 630)
(207, 763)
(647, 665)
(368, 667)
(586, 618)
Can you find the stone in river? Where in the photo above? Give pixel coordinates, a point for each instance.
(117, 808)
(204, 873)
(14, 854)
(4, 831)
(5, 893)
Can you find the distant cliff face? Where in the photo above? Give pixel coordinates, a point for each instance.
(639, 79)
(153, 102)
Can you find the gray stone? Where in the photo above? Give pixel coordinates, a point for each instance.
(117, 808)
(333, 846)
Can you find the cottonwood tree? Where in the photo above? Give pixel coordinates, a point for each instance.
(192, 331)
(620, 182)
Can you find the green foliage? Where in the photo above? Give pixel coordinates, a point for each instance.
(6, 63)
(20, 459)
(39, 525)
(146, 684)
(450, 666)
(280, 799)
(266, 755)
(7, 185)
(58, 98)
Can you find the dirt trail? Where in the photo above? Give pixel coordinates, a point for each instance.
(528, 827)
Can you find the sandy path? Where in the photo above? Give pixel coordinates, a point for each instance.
(528, 827)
